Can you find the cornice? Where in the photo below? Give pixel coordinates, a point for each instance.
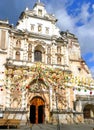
(59, 54)
(3, 52)
(75, 60)
(26, 34)
(40, 36)
(43, 18)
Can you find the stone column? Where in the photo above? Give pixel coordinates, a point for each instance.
(8, 98)
(32, 53)
(25, 56)
(50, 96)
(53, 53)
(24, 102)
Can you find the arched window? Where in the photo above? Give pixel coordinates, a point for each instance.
(29, 47)
(39, 28)
(48, 60)
(18, 43)
(38, 55)
(88, 111)
(49, 50)
(58, 60)
(17, 55)
(39, 12)
(58, 49)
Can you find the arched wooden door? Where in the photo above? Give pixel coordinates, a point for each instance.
(37, 110)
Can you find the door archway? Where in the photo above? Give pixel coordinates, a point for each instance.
(37, 106)
(88, 111)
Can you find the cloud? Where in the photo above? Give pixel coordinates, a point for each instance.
(77, 17)
(85, 32)
(84, 15)
(65, 22)
(80, 21)
(86, 37)
(92, 71)
(91, 59)
(81, 24)
(93, 6)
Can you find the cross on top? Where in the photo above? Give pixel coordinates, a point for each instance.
(38, 1)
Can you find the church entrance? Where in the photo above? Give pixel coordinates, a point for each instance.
(37, 110)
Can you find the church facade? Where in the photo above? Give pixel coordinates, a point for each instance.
(43, 77)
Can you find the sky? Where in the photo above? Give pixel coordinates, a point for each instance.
(77, 16)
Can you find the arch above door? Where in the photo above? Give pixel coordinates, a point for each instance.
(88, 111)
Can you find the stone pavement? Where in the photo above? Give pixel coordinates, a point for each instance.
(55, 127)
(61, 127)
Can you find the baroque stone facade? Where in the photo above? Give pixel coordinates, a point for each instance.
(43, 77)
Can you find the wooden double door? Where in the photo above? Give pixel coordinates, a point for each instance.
(37, 110)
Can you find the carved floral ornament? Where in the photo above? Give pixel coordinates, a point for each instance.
(23, 78)
(41, 42)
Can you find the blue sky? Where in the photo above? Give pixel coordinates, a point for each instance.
(77, 16)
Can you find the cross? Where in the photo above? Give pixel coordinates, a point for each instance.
(38, 1)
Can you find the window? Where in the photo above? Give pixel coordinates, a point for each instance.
(39, 28)
(17, 55)
(37, 55)
(49, 60)
(49, 50)
(47, 30)
(79, 69)
(18, 43)
(58, 49)
(29, 47)
(32, 27)
(39, 12)
(3, 40)
(58, 60)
